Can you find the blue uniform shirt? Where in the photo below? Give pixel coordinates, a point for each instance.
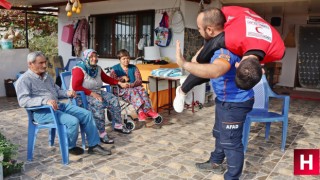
(225, 86)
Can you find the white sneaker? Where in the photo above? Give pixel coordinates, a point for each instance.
(178, 103)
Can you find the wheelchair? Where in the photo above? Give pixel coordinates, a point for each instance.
(128, 120)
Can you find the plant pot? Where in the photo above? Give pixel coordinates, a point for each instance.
(12, 169)
(7, 44)
(10, 90)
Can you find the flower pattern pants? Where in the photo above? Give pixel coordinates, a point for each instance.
(97, 108)
(138, 97)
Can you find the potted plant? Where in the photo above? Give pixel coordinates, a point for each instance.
(8, 151)
(9, 38)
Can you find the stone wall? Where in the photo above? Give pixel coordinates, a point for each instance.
(192, 42)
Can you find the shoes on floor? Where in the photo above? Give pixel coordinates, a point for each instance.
(158, 120)
(151, 113)
(76, 151)
(97, 149)
(210, 167)
(107, 140)
(142, 116)
(123, 130)
(178, 103)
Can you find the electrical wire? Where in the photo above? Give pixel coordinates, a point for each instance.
(177, 21)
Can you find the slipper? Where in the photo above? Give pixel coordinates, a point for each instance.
(76, 151)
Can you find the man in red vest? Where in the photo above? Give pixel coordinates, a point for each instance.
(245, 34)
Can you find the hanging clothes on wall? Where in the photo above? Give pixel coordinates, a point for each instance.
(80, 38)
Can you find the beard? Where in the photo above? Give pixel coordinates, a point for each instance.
(206, 36)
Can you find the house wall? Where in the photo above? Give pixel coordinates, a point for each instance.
(13, 61)
(289, 62)
(189, 11)
(125, 6)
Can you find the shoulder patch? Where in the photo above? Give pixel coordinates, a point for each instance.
(225, 57)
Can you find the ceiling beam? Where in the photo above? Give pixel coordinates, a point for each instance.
(31, 9)
(57, 4)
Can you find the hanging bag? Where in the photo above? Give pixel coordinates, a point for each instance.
(67, 33)
(163, 33)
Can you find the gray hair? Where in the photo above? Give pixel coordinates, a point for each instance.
(33, 55)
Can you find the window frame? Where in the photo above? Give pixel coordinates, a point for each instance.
(93, 43)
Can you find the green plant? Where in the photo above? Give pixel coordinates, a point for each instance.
(47, 44)
(9, 152)
(42, 30)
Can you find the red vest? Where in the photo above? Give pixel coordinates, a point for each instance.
(245, 30)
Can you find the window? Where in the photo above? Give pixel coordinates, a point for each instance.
(112, 32)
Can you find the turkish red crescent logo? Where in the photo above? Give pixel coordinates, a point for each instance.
(258, 29)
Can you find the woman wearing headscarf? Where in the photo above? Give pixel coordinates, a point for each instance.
(87, 76)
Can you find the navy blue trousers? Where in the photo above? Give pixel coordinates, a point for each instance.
(227, 130)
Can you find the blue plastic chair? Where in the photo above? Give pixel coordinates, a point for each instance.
(34, 127)
(65, 83)
(71, 63)
(261, 113)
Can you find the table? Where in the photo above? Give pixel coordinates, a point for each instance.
(170, 80)
(145, 70)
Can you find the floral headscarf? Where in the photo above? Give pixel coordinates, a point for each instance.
(91, 70)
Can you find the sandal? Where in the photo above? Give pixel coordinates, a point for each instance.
(107, 140)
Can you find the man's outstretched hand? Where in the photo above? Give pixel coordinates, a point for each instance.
(180, 59)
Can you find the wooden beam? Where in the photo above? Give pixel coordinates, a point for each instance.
(31, 9)
(57, 4)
